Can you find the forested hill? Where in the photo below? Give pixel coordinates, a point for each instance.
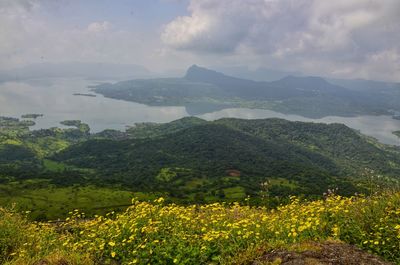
(189, 157)
(187, 161)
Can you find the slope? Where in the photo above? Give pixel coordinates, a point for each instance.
(214, 158)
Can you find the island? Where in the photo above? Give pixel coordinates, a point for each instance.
(397, 133)
(14, 123)
(83, 127)
(85, 94)
(31, 116)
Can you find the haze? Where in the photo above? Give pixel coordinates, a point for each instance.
(337, 39)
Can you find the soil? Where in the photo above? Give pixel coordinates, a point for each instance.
(327, 253)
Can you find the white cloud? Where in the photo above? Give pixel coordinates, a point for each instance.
(341, 38)
(332, 34)
(99, 26)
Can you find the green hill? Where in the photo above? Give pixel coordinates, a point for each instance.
(191, 159)
(187, 161)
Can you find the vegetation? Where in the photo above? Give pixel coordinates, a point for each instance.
(31, 116)
(159, 233)
(194, 160)
(85, 94)
(9, 122)
(397, 133)
(186, 161)
(83, 127)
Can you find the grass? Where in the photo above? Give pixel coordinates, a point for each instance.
(158, 233)
(235, 193)
(53, 165)
(54, 202)
(283, 182)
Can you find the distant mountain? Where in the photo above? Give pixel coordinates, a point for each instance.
(265, 74)
(101, 71)
(312, 83)
(203, 90)
(365, 85)
(258, 74)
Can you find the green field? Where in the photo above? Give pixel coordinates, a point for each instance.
(52, 202)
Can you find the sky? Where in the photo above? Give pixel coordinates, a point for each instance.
(340, 39)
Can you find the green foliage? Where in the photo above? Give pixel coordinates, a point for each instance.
(31, 116)
(235, 193)
(151, 130)
(166, 175)
(48, 202)
(82, 127)
(192, 160)
(310, 157)
(53, 166)
(11, 234)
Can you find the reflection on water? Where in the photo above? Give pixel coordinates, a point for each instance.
(54, 98)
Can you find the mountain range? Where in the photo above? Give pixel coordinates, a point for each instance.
(202, 90)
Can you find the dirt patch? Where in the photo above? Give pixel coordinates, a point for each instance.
(233, 173)
(321, 254)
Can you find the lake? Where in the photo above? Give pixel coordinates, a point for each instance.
(54, 98)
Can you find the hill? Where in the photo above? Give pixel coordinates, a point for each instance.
(191, 159)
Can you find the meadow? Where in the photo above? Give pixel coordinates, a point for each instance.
(155, 232)
(49, 202)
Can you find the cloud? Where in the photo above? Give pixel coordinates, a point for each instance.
(29, 36)
(332, 34)
(341, 38)
(99, 26)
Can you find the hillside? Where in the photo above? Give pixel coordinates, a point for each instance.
(202, 90)
(333, 230)
(191, 159)
(187, 160)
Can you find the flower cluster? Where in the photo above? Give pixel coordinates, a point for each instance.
(154, 232)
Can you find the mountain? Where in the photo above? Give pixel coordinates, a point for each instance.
(258, 74)
(203, 90)
(365, 85)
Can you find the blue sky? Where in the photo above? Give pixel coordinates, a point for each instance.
(124, 14)
(341, 38)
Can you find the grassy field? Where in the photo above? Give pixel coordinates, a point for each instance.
(159, 233)
(51, 203)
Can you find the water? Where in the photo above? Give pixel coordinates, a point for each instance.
(54, 98)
